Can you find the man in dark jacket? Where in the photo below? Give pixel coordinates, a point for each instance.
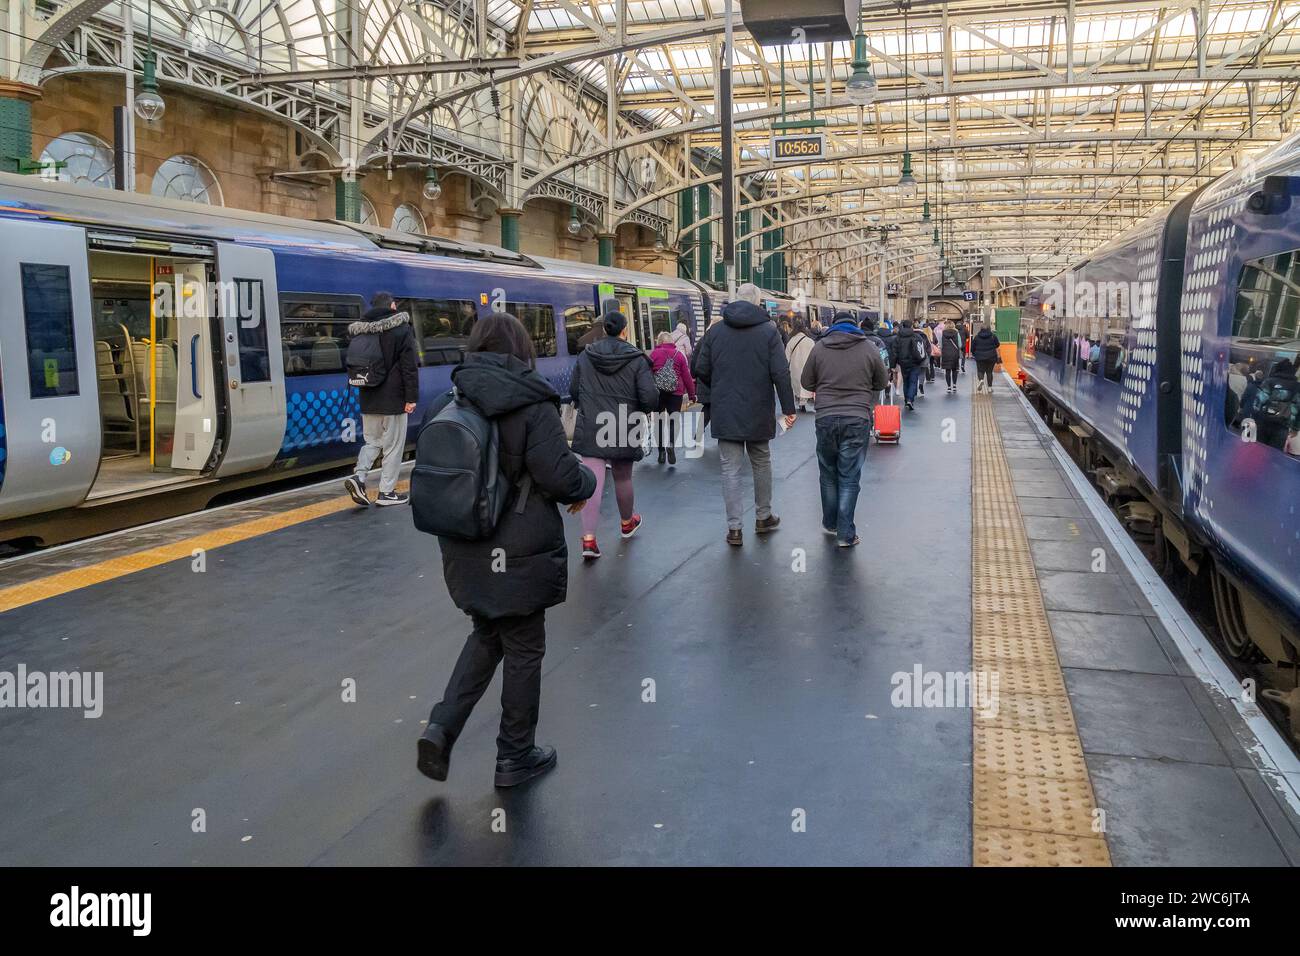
(741, 359)
(912, 353)
(385, 407)
(984, 350)
(507, 581)
(846, 371)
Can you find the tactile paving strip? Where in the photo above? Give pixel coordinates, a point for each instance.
(1033, 803)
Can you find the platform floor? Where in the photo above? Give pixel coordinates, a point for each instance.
(223, 688)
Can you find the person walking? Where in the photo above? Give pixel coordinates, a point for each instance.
(984, 350)
(614, 391)
(950, 356)
(385, 406)
(912, 355)
(682, 339)
(741, 360)
(797, 350)
(508, 605)
(847, 372)
(672, 376)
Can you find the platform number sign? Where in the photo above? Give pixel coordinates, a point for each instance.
(968, 295)
(798, 149)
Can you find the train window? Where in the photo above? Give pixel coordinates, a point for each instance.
(539, 320)
(47, 315)
(442, 328)
(1263, 395)
(578, 321)
(250, 302)
(315, 334)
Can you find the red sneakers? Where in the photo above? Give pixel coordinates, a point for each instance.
(630, 526)
(589, 548)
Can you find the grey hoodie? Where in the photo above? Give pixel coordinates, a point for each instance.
(846, 372)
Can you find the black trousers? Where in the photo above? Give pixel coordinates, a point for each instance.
(668, 402)
(521, 642)
(984, 370)
(950, 375)
(931, 368)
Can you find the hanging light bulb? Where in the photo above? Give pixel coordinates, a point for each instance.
(934, 241)
(659, 243)
(860, 87)
(907, 182)
(432, 187)
(925, 211)
(575, 224)
(149, 104)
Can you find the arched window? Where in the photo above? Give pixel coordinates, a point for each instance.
(88, 159)
(184, 177)
(368, 215)
(408, 219)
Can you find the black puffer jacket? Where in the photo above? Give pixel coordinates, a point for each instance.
(741, 359)
(612, 381)
(401, 357)
(905, 350)
(984, 347)
(951, 345)
(536, 574)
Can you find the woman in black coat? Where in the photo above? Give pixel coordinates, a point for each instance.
(950, 354)
(984, 350)
(614, 391)
(507, 581)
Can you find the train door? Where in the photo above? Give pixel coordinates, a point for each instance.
(655, 316)
(49, 416)
(251, 357)
(196, 424)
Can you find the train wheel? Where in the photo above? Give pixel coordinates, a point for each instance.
(1232, 624)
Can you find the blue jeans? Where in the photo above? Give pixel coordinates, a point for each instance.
(841, 450)
(912, 381)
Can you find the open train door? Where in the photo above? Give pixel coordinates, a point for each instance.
(249, 308)
(49, 408)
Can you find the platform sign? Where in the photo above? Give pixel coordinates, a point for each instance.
(893, 290)
(798, 148)
(969, 295)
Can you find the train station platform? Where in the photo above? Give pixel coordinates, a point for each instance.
(266, 669)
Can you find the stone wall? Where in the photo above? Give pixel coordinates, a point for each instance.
(243, 149)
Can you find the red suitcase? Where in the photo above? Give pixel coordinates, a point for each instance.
(888, 423)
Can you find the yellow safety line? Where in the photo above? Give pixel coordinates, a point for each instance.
(1033, 802)
(64, 582)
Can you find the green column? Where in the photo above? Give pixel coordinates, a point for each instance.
(510, 228)
(744, 251)
(16, 124)
(347, 200)
(685, 216)
(606, 249)
(704, 252)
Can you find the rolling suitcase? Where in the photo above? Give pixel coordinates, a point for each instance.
(888, 424)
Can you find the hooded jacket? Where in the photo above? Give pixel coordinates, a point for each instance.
(401, 357)
(951, 348)
(846, 372)
(611, 382)
(741, 359)
(527, 411)
(984, 347)
(905, 351)
(668, 352)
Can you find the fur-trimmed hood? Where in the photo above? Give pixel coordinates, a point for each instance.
(378, 320)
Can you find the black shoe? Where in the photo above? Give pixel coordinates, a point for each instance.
(770, 523)
(857, 540)
(387, 498)
(735, 537)
(434, 752)
(356, 487)
(910, 406)
(511, 773)
(672, 456)
(662, 455)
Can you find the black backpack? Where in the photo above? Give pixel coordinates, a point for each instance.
(919, 351)
(458, 489)
(365, 362)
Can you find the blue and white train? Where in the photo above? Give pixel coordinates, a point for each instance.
(1176, 346)
(152, 349)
